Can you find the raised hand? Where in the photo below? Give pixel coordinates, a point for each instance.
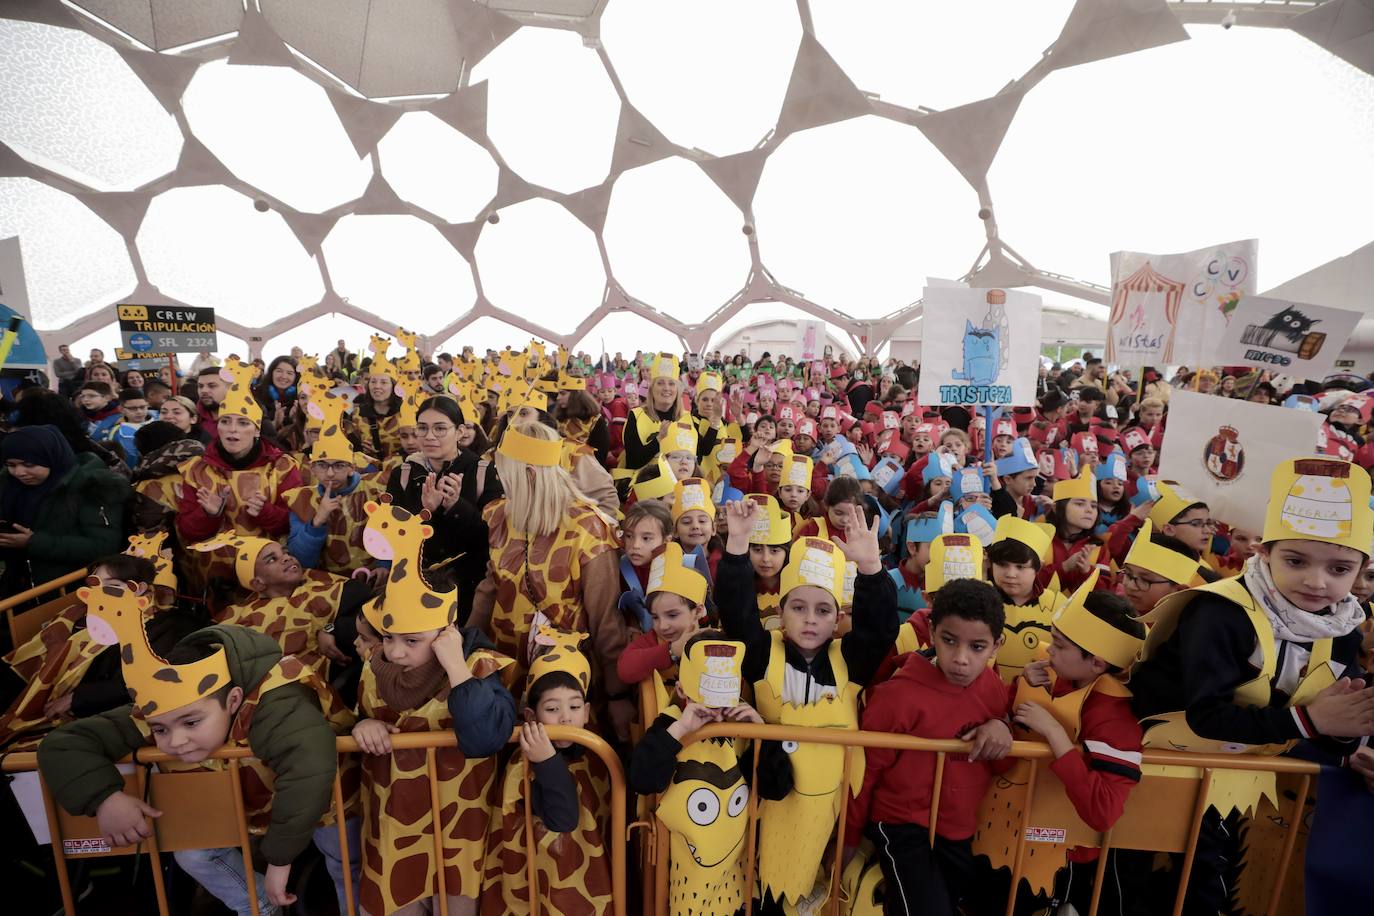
(860, 545)
(329, 504)
(739, 524)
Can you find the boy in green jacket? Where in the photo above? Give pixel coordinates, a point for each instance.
(219, 685)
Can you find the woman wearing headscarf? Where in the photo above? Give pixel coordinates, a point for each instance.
(58, 510)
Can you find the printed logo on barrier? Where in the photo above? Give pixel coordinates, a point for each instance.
(85, 847)
(1045, 835)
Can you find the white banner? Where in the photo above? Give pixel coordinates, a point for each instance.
(1223, 451)
(13, 292)
(1299, 340)
(979, 346)
(1172, 309)
(810, 339)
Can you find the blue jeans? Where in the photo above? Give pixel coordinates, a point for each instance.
(220, 871)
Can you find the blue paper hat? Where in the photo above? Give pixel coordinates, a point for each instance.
(928, 529)
(850, 465)
(967, 482)
(1301, 402)
(887, 474)
(723, 493)
(1022, 458)
(1113, 467)
(884, 519)
(977, 521)
(1147, 490)
(938, 465)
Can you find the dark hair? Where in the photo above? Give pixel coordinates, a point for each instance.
(1169, 542)
(445, 355)
(843, 490)
(444, 405)
(101, 388)
(155, 382)
(551, 681)
(208, 370)
(698, 636)
(132, 394)
(1091, 393)
(1116, 612)
(968, 599)
(1055, 516)
(266, 379)
(652, 509)
(153, 436)
(1013, 551)
(646, 473)
(1186, 509)
(126, 567)
(580, 406)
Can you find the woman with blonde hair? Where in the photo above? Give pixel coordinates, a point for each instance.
(554, 561)
(648, 423)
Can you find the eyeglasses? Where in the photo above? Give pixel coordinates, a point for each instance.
(331, 467)
(1140, 582)
(1203, 524)
(439, 431)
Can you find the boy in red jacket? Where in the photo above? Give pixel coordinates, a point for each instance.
(948, 692)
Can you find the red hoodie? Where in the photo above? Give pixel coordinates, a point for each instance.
(274, 520)
(898, 785)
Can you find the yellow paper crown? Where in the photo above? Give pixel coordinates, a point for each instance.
(709, 381)
(246, 550)
(1171, 503)
(407, 604)
(114, 616)
(954, 556)
(668, 574)
(814, 561)
(1178, 568)
(379, 345)
(529, 450)
(568, 382)
(323, 408)
(712, 672)
(562, 654)
(380, 365)
(771, 525)
(1091, 633)
(521, 395)
(692, 493)
(408, 415)
(1081, 487)
(409, 363)
(239, 400)
(407, 339)
(150, 546)
(1011, 528)
(796, 472)
(657, 487)
(665, 366)
(1319, 499)
(682, 437)
(547, 386)
(725, 451)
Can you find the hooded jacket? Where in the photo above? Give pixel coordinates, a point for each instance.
(289, 734)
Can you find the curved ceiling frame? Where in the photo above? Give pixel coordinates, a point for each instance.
(819, 93)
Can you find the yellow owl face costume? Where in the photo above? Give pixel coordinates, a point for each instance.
(705, 810)
(407, 604)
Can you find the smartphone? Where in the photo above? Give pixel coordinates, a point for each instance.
(8, 528)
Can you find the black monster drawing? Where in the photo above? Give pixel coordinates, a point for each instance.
(1292, 323)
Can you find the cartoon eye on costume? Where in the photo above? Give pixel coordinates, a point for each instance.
(703, 807)
(790, 747)
(1030, 640)
(739, 800)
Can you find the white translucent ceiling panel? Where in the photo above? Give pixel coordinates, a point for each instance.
(626, 332)
(856, 215)
(486, 333)
(551, 109)
(435, 167)
(208, 245)
(709, 74)
(71, 105)
(768, 310)
(1234, 134)
(74, 263)
(674, 239)
(276, 130)
(399, 267)
(321, 334)
(936, 54)
(108, 340)
(541, 263)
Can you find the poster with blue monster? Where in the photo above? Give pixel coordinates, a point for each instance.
(979, 346)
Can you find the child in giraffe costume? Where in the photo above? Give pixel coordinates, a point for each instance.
(220, 685)
(426, 676)
(569, 797)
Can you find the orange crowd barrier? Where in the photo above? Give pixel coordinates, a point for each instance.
(24, 624)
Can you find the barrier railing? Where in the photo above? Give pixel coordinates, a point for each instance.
(204, 826)
(58, 585)
(656, 883)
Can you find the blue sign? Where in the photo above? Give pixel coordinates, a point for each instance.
(28, 349)
(141, 343)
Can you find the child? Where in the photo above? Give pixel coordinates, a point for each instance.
(569, 795)
(1179, 515)
(1015, 555)
(909, 575)
(1016, 473)
(327, 518)
(100, 414)
(844, 501)
(1074, 548)
(939, 694)
(134, 415)
(646, 527)
(677, 606)
(227, 684)
(694, 516)
(1256, 663)
(795, 484)
(655, 482)
(1156, 566)
(1112, 503)
(679, 448)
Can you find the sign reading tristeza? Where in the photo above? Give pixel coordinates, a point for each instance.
(979, 346)
(167, 328)
(1299, 340)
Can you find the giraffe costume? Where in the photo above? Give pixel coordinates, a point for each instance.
(381, 435)
(573, 869)
(399, 867)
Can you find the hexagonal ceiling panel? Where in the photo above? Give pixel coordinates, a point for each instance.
(437, 168)
(936, 55)
(551, 110)
(855, 216)
(74, 263)
(207, 245)
(399, 267)
(709, 74)
(164, 24)
(71, 105)
(673, 239)
(1271, 151)
(276, 130)
(541, 263)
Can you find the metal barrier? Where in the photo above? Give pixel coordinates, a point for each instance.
(212, 828)
(655, 880)
(59, 585)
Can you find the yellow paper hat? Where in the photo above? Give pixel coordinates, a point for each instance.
(725, 451)
(1319, 499)
(1011, 528)
(562, 653)
(668, 574)
(568, 382)
(407, 603)
(150, 546)
(239, 401)
(771, 525)
(379, 345)
(1084, 486)
(692, 493)
(529, 450)
(814, 561)
(548, 386)
(409, 363)
(665, 366)
(1178, 568)
(1093, 634)
(709, 381)
(782, 447)
(246, 550)
(954, 556)
(409, 413)
(796, 472)
(407, 339)
(682, 437)
(323, 408)
(712, 672)
(114, 617)
(380, 365)
(657, 487)
(1171, 503)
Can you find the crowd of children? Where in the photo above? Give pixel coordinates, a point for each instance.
(490, 546)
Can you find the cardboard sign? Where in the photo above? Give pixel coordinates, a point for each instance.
(167, 328)
(979, 346)
(1299, 340)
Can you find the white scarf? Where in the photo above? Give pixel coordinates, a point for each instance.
(1290, 622)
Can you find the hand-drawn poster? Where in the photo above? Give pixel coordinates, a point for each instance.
(979, 346)
(1174, 308)
(1299, 340)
